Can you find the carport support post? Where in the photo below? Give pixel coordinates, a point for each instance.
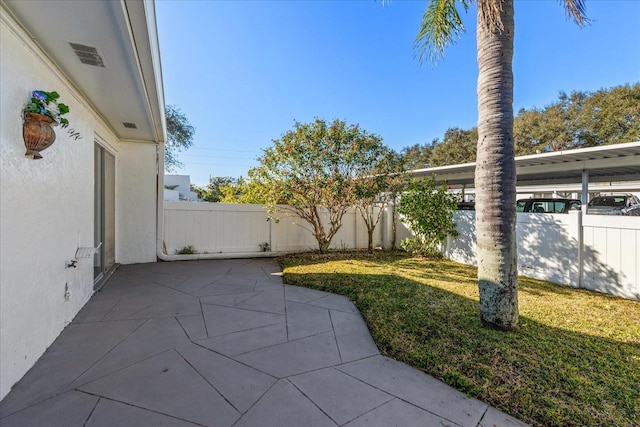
(584, 199)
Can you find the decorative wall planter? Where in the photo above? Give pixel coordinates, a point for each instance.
(38, 133)
(41, 114)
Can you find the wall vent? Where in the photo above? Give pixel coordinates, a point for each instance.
(87, 54)
(129, 125)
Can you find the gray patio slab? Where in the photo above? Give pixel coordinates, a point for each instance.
(335, 302)
(273, 284)
(239, 384)
(225, 343)
(192, 284)
(495, 418)
(295, 357)
(62, 363)
(297, 294)
(109, 413)
(305, 320)
(176, 304)
(341, 397)
(419, 389)
(227, 286)
(72, 408)
(168, 385)
(224, 320)
(227, 300)
(353, 337)
(399, 413)
(284, 405)
(153, 337)
(267, 301)
(193, 326)
(246, 341)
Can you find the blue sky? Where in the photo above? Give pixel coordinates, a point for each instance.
(242, 71)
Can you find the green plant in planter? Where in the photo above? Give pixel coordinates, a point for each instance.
(46, 103)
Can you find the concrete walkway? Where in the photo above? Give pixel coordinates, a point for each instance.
(225, 343)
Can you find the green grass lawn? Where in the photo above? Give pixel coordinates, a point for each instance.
(575, 361)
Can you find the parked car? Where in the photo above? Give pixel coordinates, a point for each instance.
(623, 204)
(547, 205)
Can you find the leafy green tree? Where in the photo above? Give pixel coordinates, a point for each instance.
(179, 137)
(200, 192)
(495, 176)
(428, 210)
(245, 191)
(576, 120)
(314, 170)
(457, 147)
(539, 131)
(213, 191)
(378, 189)
(609, 116)
(418, 156)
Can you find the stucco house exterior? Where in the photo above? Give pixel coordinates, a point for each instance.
(103, 58)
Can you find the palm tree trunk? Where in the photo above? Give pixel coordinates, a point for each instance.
(495, 175)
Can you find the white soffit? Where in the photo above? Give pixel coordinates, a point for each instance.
(109, 50)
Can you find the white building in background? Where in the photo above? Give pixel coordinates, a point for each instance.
(177, 188)
(103, 58)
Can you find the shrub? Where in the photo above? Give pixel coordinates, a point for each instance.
(428, 211)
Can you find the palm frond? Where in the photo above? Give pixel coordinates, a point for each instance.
(441, 27)
(577, 11)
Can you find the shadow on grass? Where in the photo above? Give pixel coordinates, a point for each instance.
(543, 375)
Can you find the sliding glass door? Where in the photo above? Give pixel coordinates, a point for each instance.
(104, 210)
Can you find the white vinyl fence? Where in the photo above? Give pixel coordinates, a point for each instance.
(549, 245)
(241, 229)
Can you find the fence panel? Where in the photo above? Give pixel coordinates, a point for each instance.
(612, 255)
(548, 247)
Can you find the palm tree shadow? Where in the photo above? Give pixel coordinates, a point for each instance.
(547, 250)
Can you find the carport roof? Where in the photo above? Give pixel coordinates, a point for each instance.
(618, 162)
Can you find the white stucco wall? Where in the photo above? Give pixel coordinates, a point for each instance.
(183, 188)
(171, 195)
(47, 209)
(183, 183)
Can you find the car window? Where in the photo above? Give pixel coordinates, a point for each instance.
(574, 206)
(538, 207)
(520, 204)
(558, 207)
(613, 201)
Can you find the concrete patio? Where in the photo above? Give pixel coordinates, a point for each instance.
(225, 343)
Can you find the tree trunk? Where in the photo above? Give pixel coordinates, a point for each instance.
(370, 241)
(323, 246)
(495, 175)
(394, 226)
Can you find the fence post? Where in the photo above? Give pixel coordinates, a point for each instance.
(580, 250)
